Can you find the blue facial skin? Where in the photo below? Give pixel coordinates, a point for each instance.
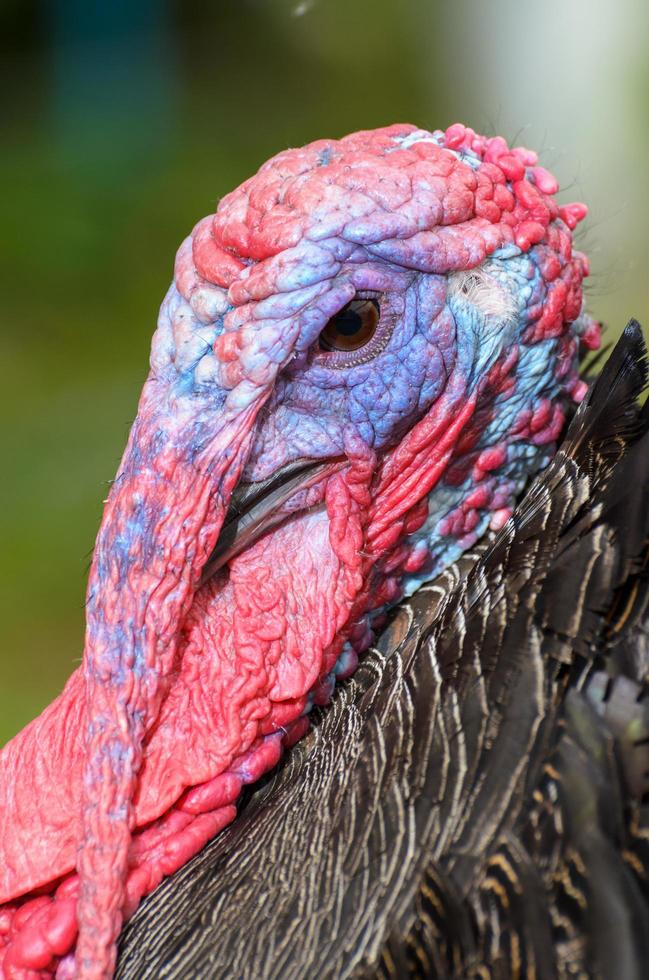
(440, 340)
(438, 336)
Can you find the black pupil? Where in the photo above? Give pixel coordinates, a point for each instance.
(351, 327)
(348, 322)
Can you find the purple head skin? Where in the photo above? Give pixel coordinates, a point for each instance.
(363, 356)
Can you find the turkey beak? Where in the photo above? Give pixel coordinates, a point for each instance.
(257, 507)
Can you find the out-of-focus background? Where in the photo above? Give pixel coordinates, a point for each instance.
(124, 122)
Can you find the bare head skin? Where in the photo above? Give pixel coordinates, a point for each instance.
(364, 354)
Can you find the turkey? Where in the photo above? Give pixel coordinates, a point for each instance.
(365, 355)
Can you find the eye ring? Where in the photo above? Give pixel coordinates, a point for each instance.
(353, 327)
(388, 308)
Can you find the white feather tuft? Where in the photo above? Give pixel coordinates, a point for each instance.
(490, 297)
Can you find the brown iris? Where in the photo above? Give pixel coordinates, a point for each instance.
(352, 327)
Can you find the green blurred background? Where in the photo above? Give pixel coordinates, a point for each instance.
(125, 121)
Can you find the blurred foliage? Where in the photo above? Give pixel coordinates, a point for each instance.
(125, 122)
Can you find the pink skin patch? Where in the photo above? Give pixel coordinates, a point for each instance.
(188, 692)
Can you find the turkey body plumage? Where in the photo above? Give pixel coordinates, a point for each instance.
(473, 803)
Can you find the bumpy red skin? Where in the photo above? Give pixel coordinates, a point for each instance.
(187, 693)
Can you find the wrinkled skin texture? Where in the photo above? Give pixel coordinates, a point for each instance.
(187, 692)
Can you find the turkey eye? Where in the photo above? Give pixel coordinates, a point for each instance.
(352, 327)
